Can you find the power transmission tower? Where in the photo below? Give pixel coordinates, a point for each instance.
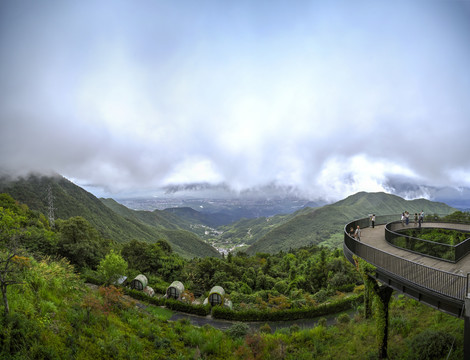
(50, 200)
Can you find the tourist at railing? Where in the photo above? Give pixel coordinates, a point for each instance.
(421, 218)
(357, 234)
(351, 232)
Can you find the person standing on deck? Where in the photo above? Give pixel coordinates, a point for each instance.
(421, 218)
(357, 234)
(372, 219)
(351, 232)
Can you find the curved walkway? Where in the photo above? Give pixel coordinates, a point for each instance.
(438, 283)
(375, 237)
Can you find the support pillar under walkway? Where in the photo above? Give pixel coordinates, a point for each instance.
(466, 329)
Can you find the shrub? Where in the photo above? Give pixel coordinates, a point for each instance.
(359, 289)
(400, 325)
(322, 322)
(244, 288)
(238, 330)
(282, 287)
(265, 329)
(430, 344)
(294, 328)
(202, 310)
(288, 314)
(343, 319)
(322, 295)
(91, 277)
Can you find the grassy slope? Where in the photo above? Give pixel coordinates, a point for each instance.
(314, 226)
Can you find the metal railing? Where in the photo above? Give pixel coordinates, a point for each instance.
(445, 283)
(442, 251)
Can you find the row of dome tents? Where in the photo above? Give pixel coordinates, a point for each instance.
(176, 289)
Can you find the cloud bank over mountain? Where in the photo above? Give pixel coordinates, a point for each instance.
(329, 97)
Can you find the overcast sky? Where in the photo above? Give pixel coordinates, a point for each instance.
(332, 97)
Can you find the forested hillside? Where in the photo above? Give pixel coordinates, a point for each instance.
(322, 225)
(117, 223)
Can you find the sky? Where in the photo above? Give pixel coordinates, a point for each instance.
(330, 97)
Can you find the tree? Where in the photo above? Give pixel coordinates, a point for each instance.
(81, 243)
(142, 256)
(10, 230)
(112, 267)
(165, 246)
(8, 272)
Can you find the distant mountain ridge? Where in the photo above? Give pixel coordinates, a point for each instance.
(113, 222)
(183, 227)
(317, 226)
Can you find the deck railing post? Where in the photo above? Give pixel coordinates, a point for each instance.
(466, 325)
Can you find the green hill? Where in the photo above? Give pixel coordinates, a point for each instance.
(324, 225)
(113, 222)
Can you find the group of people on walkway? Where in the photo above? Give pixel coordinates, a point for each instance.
(405, 220)
(418, 218)
(356, 234)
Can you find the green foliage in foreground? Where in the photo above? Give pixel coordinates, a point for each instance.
(55, 316)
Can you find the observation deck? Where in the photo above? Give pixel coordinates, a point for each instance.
(439, 283)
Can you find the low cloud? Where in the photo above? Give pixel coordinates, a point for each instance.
(328, 98)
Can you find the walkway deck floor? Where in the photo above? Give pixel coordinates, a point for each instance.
(376, 238)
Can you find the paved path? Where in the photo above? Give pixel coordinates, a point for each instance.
(376, 238)
(274, 325)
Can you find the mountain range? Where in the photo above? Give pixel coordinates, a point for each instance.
(185, 228)
(111, 219)
(324, 225)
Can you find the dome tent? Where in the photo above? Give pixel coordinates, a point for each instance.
(216, 296)
(175, 290)
(139, 283)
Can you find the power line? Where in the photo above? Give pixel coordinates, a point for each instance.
(50, 200)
